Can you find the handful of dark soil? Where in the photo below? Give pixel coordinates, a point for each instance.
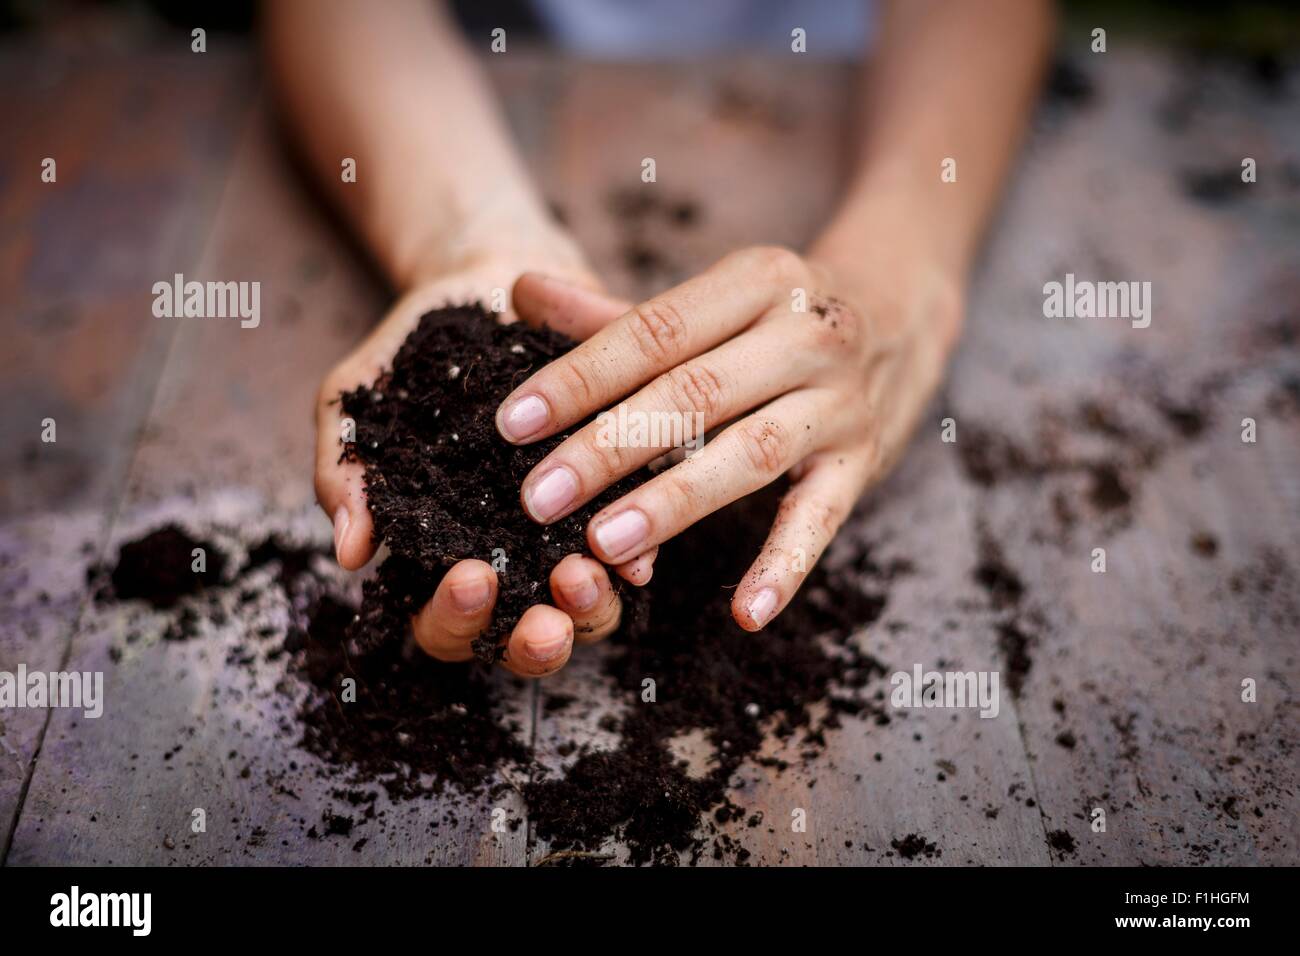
(443, 485)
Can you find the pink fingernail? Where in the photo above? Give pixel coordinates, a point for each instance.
(547, 649)
(523, 417)
(622, 533)
(583, 597)
(341, 521)
(761, 606)
(550, 495)
(469, 596)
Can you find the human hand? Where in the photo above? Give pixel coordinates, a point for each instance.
(828, 393)
(586, 607)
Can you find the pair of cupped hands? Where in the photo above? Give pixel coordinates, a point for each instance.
(812, 372)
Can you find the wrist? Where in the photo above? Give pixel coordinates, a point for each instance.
(891, 267)
(897, 217)
(477, 271)
(499, 236)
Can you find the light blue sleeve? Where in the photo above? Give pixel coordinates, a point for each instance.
(664, 29)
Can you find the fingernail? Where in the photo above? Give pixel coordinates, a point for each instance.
(643, 568)
(622, 532)
(549, 648)
(547, 497)
(522, 417)
(583, 597)
(470, 595)
(341, 521)
(761, 606)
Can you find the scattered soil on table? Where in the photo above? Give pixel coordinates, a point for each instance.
(1214, 186)
(990, 458)
(443, 485)
(1061, 842)
(914, 845)
(738, 688)
(159, 568)
(416, 725)
(638, 205)
(294, 561)
(649, 221)
(1204, 544)
(1014, 644)
(441, 482)
(1000, 581)
(1006, 592)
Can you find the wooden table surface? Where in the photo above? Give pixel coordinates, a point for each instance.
(1131, 689)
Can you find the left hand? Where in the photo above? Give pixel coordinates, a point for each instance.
(823, 371)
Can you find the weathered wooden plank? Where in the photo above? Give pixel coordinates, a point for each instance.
(140, 152)
(1140, 667)
(230, 442)
(1133, 702)
(67, 301)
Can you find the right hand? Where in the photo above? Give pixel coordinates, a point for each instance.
(586, 607)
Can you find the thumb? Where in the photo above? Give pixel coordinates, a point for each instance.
(573, 310)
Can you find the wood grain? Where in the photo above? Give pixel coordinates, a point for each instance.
(1132, 698)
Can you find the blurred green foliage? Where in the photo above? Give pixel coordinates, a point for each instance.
(1247, 27)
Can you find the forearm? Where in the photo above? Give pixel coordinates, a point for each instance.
(952, 79)
(438, 184)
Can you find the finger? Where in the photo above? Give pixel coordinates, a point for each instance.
(340, 485)
(810, 514)
(460, 610)
(640, 569)
(675, 409)
(744, 458)
(647, 340)
(540, 643)
(566, 307)
(582, 590)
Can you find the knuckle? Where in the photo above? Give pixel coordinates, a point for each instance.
(694, 387)
(658, 328)
(679, 497)
(837, 326)
(581, 380)
(766, 445)
(610, 457)
(778, 264)
(826, 518)
(873, 452)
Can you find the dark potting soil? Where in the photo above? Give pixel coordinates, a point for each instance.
(441, 483)
(420, 725)
(416, 726)
(1062, 842)
(159, 568)
(914, 845)
(736, 687)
